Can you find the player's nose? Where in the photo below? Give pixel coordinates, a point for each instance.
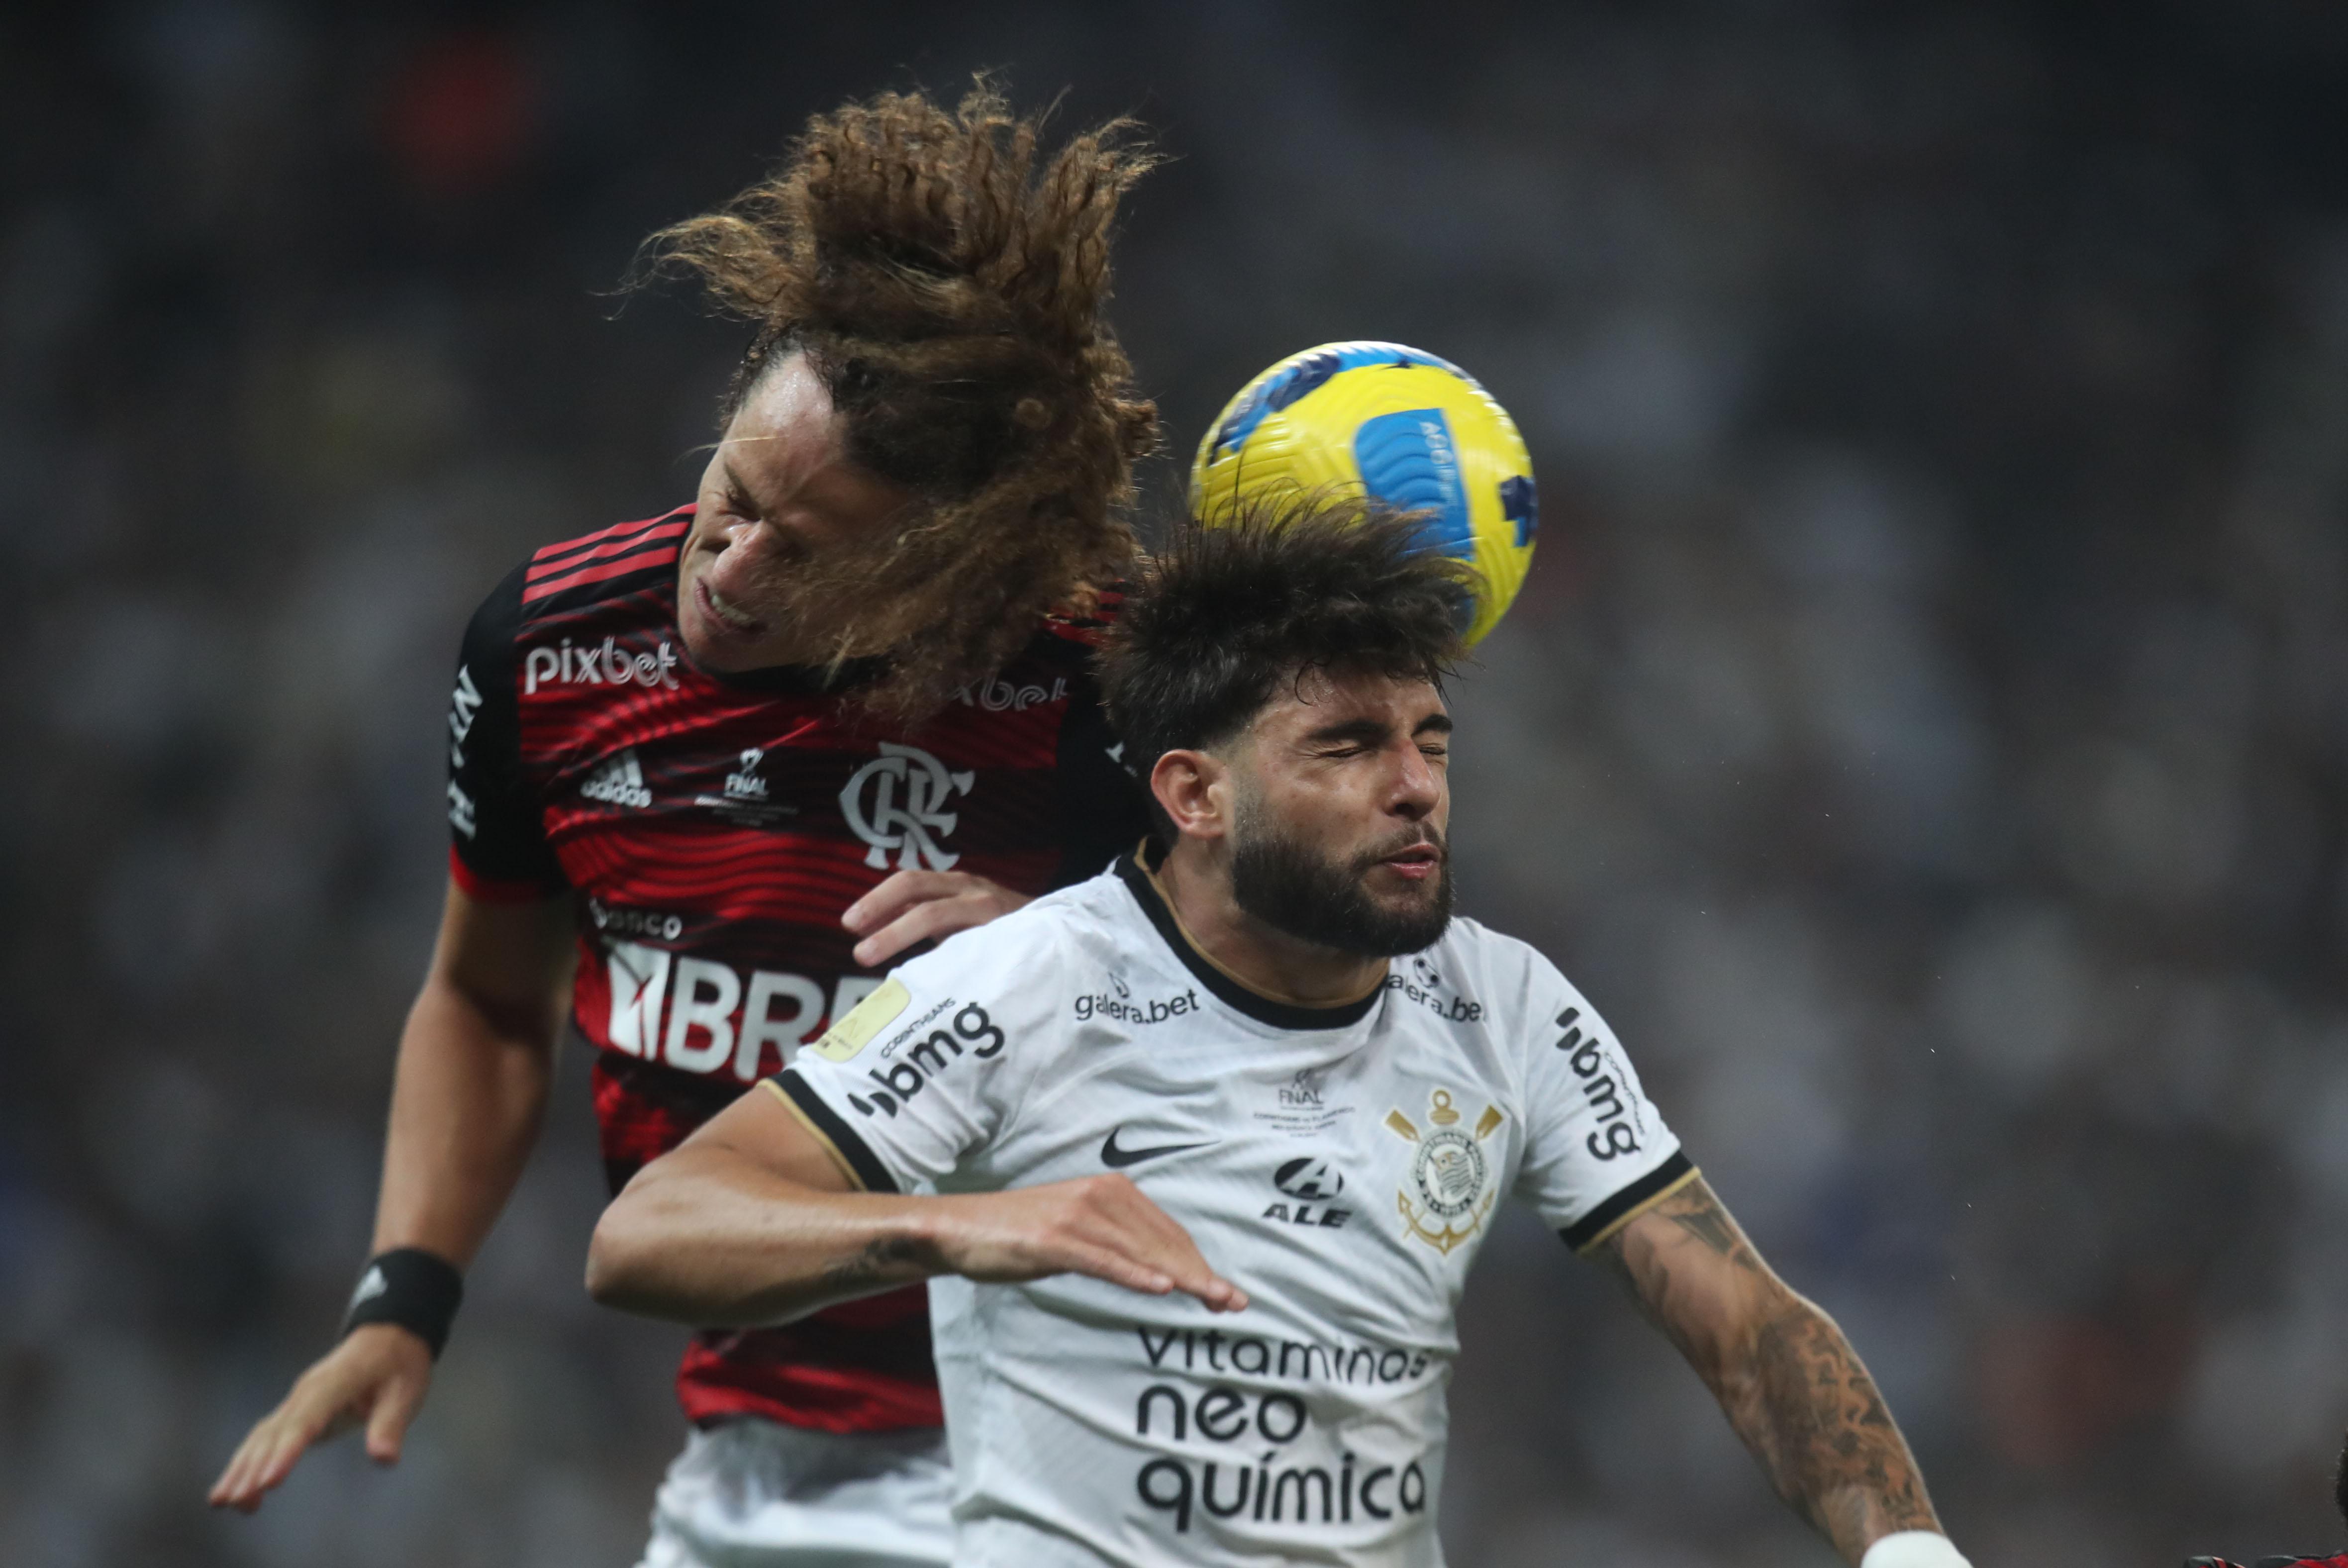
(1417, 789)
(745, 553)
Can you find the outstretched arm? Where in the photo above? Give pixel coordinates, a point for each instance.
(474, 1063)
(755, 1220)
(1789, 1382)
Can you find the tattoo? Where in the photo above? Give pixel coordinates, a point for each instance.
(1696, 1211)
(877, 1267)
(1647, 1274)
(1824, 1436)
(1786, 1378)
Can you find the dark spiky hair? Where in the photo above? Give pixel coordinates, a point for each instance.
(1220, 621)
(945, 274)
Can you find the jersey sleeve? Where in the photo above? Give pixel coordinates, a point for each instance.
(498, 850)
(932, 1068)
(1597, 1150)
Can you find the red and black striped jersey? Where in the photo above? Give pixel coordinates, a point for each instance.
(711, 829)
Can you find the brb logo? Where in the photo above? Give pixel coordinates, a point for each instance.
(894, 803)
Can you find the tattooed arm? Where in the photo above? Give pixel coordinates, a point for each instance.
(755, 1220)
(1789, 1382)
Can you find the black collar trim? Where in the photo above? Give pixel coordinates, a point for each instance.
(1241, 998)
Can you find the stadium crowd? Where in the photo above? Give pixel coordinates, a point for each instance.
(1925, 730)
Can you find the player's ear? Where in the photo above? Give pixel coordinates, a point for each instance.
(1185, 784)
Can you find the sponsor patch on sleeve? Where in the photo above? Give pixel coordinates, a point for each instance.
(867, 1018)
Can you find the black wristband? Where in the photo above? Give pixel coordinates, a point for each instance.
(411, 1287)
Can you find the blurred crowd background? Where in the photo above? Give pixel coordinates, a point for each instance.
(1925, 731)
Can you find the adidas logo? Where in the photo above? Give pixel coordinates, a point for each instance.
(371, 1285)
(619, 783)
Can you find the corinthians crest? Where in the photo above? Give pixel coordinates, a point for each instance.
(1449, 1171)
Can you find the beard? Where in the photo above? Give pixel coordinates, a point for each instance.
(1283, 881)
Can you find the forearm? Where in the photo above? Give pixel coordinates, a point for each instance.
(1790, 1384)
(467, 1102)
(708, 1237)
(1804, 1405)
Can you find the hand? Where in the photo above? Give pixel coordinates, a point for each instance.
(920, 906)
(376, 1375)
(1096, 1225)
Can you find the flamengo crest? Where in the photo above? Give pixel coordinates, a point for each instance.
(894, 803)
(1451, 1172)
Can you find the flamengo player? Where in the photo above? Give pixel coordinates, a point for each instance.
(848, 678)
(1217, 1022)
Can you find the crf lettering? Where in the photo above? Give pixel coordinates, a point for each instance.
(912, 826)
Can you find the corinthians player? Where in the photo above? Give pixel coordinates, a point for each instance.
(852, 676)
(1198, 1153)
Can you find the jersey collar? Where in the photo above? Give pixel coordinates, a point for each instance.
(1141, 880)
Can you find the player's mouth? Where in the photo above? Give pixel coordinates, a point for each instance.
(1416, 863)
(727, 620)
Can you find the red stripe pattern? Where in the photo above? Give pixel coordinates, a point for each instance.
(714, 832)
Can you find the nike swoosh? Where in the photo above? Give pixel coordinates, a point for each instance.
(1117, 1159)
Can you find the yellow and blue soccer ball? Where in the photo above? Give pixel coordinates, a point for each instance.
(1400, 425)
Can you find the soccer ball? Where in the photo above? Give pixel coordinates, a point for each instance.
(1402, 427)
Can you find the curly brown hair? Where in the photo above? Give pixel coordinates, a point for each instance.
(1293, 583)
(944, 277)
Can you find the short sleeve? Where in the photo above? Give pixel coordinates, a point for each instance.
(1597, 1151)
(498, 847)
(932, 1067)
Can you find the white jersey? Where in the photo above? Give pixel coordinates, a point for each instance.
(1338, 1164)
